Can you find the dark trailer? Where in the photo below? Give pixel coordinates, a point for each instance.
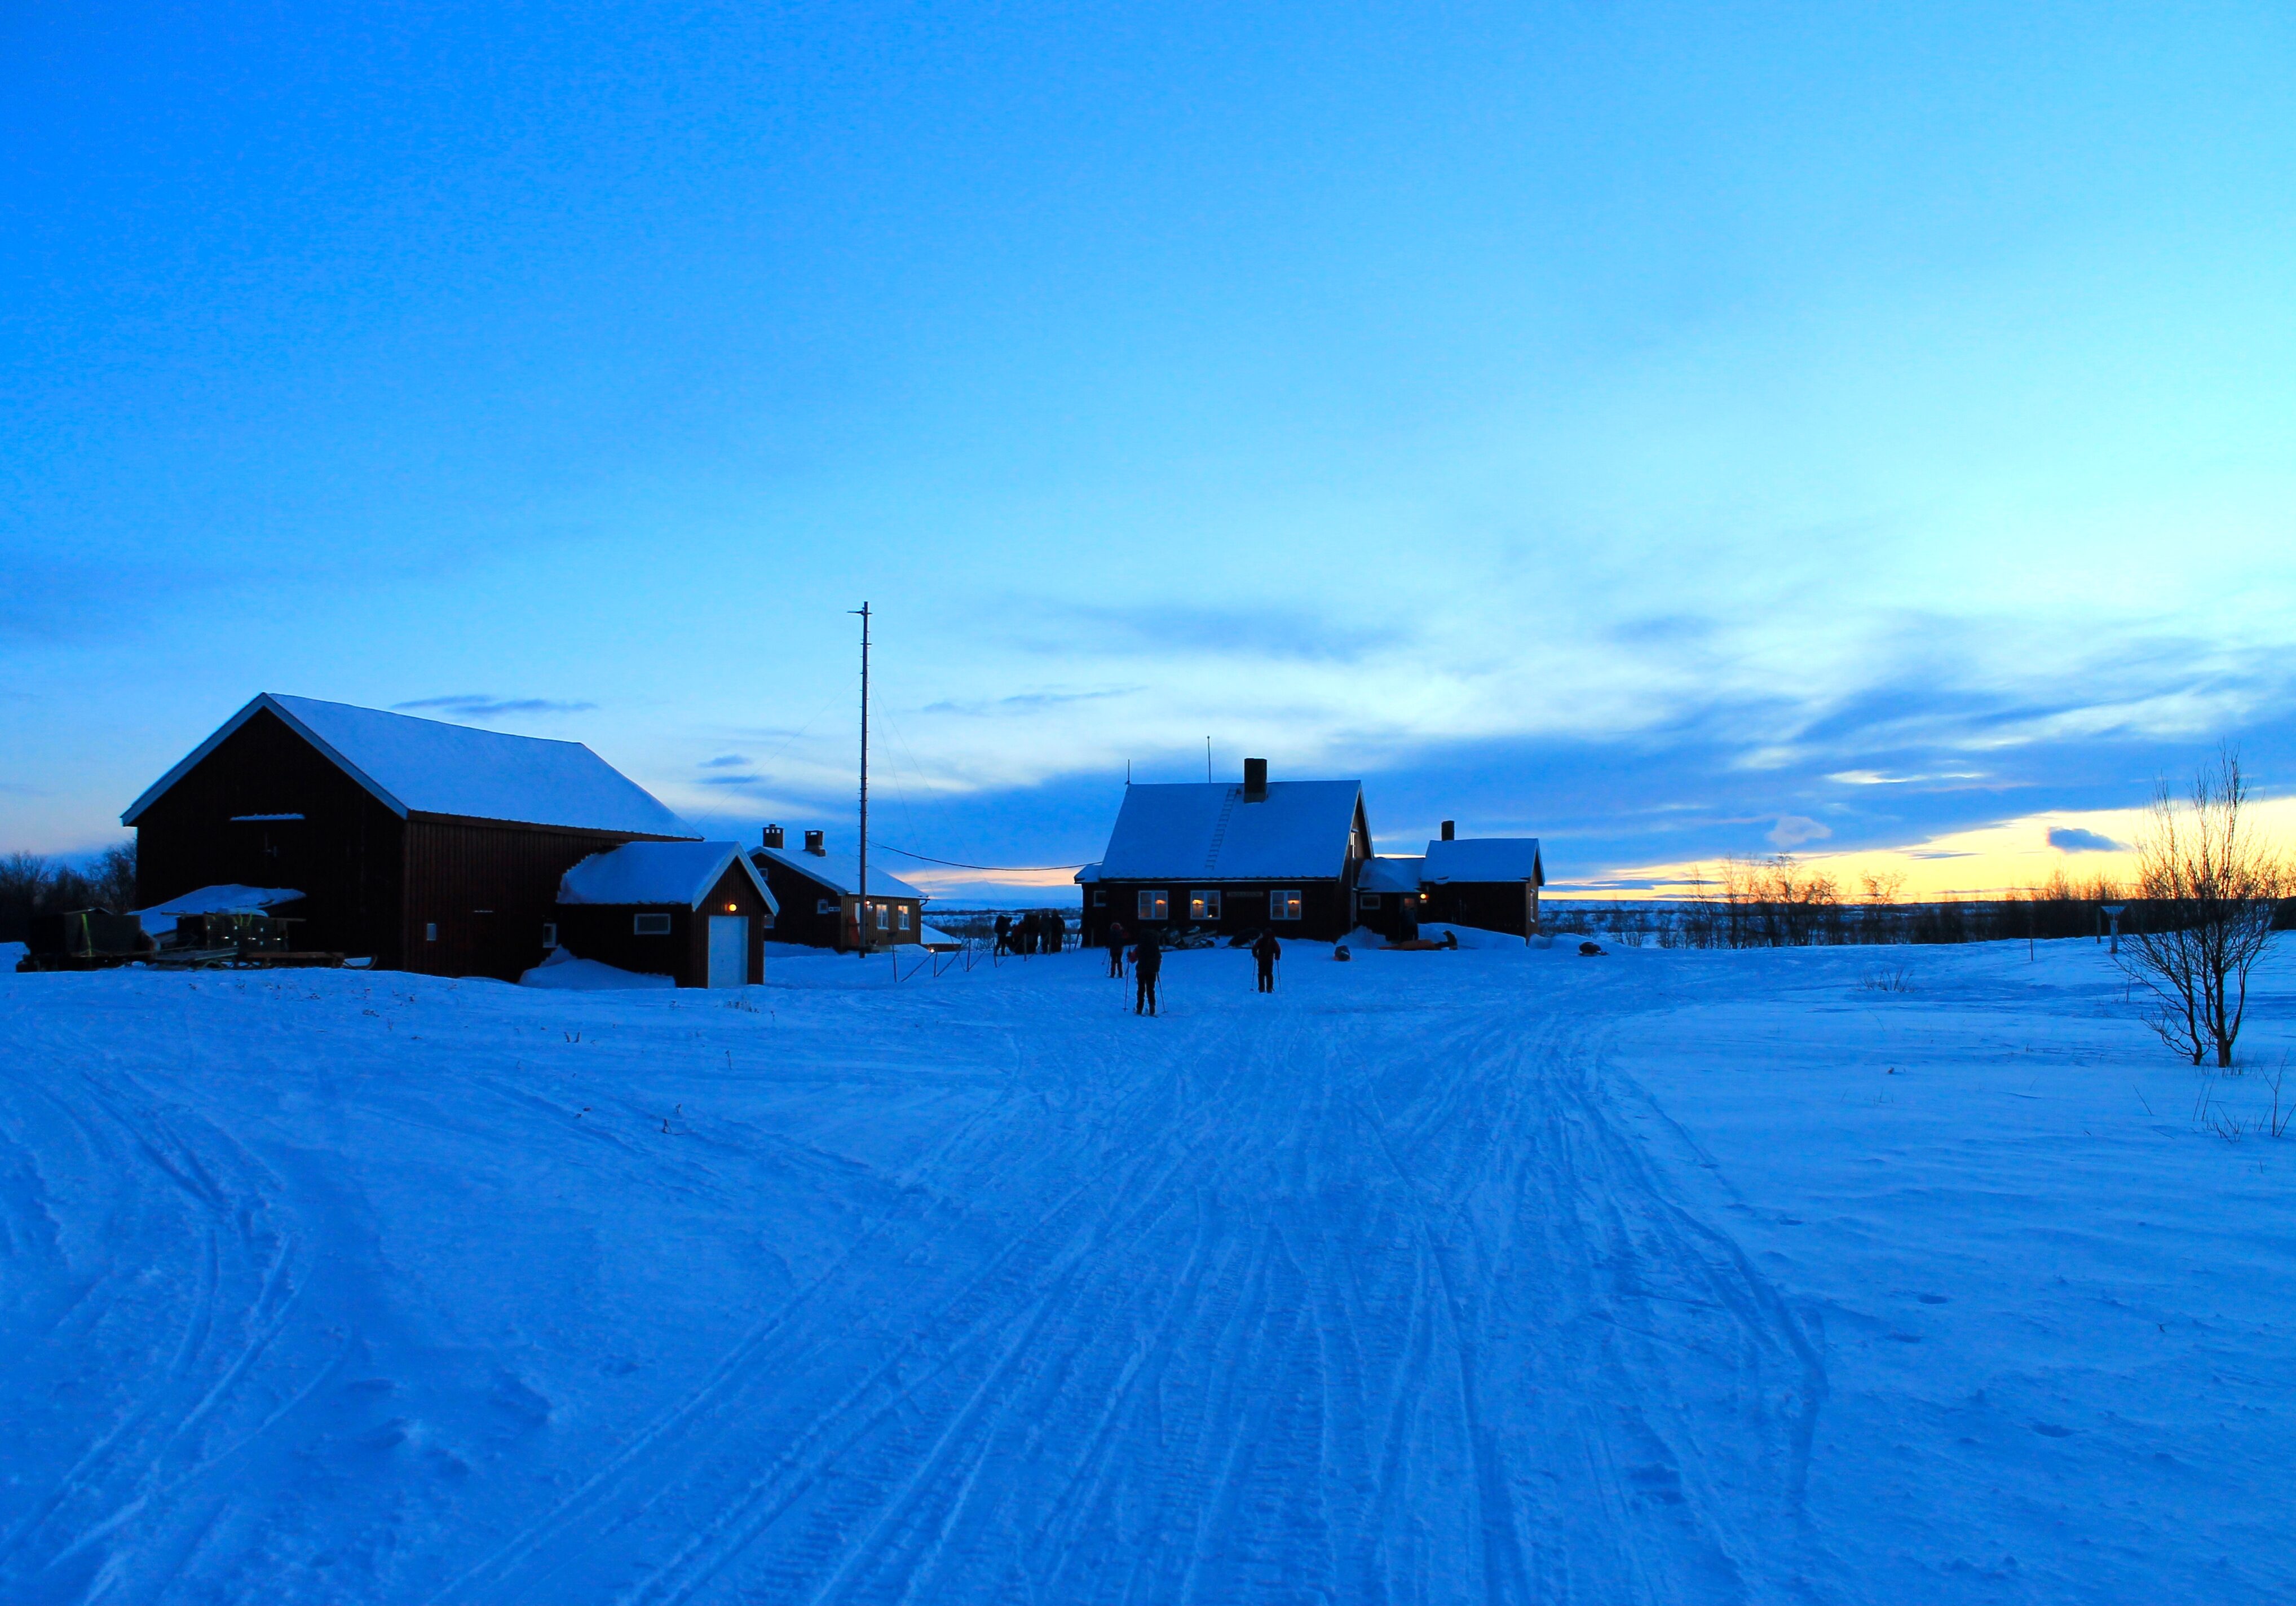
(695, 912)
(428, 846)
(1227, 859)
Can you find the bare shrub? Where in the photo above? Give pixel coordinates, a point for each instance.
(2208, 885)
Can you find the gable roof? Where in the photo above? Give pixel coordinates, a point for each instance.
(838, 872)
(1485, 859)
(1205, 830)
(658, 873)
(1389, 874)
(428, 766)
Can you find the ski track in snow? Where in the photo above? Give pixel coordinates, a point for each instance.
(1366, 1292)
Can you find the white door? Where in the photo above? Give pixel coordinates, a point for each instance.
(729, 950)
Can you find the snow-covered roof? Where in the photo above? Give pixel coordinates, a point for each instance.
(838, 872)
(428, 766)
(1484, 859)
(1087, 875)
(160, 919)
(226, 900)
(1389, 874)
(657, 872)
(1204, 831)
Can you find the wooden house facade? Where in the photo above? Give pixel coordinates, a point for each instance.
(1229, 859)
(820, 896)
(424, 845)
(695, 912)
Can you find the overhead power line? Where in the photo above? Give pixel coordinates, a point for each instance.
(960, 864)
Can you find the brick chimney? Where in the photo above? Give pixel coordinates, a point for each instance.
(772, 836)
(813, 845)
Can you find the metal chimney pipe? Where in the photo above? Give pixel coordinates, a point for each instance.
(1255, 779)
(1449, 831)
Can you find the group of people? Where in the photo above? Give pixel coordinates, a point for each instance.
(1040, 931)
(1148, 962)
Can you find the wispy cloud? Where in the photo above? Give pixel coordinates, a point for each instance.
(1151, 628)
(725, 761)
(1025, 702)
(1792, 831)
(475, 705)
(2073, 839)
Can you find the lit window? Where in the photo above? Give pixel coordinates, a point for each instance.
(1204, 904)
(1154, 906)
(649, 925)
(1284, 905)
(549, 933)
(900, 917)
(881, 916)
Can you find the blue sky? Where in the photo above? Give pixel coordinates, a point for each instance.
(1674, 431)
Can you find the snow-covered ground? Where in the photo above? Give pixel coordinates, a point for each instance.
(1497, 1275)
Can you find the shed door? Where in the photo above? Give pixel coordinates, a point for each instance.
(729, 950)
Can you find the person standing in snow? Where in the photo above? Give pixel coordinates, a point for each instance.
(1266, 951)
(1116, 939)
(1147, 963)
(1004, 933)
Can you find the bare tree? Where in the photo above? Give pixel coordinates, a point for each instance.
(2208, 883)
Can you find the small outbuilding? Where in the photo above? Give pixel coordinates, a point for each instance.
(821, 902)
(695, 912)
(1489, 882)
(1388, 897)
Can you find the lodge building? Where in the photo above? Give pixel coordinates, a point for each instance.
(1294, 858)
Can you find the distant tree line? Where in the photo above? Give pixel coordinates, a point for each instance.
(1781, 903)
(32, 883)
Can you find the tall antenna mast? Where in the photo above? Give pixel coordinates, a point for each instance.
(861, 893)
(1208, 758)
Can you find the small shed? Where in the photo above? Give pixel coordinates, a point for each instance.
(695, 912)
(820, 896)
(1488, 883)
(1388, 897)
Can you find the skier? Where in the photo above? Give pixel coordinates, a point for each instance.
(1004, 933)
(1116, 939)
(1266, 951)
(1147, 961)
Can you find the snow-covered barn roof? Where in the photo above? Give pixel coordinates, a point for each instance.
(657, 872)
(1087, 875)
(840, 873)
(1205, 830)
(1484, 859)
(428, 766)
(1389, 874)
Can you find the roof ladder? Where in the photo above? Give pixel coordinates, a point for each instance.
(1219, 830)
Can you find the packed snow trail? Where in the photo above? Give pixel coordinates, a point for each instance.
(1407, 1283)
(1344, 1293)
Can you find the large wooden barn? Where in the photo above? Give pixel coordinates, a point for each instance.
(1224, 858)
(424, 845)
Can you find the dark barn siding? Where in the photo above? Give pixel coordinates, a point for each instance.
(490, 889)
(344, 855)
